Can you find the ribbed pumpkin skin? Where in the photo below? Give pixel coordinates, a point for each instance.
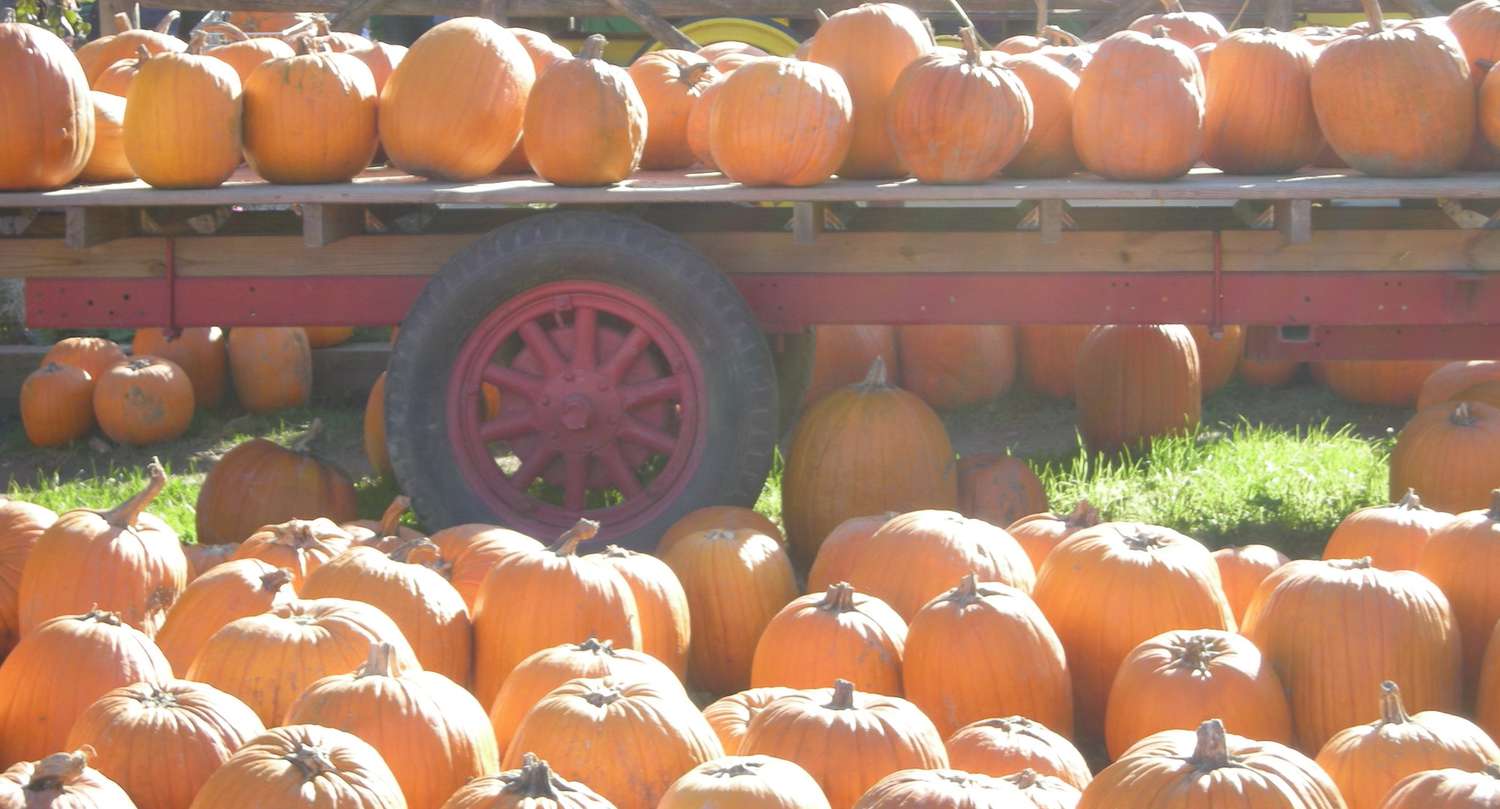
(1049, 355)
(1393, 536)
(670, 82)
(540, 673)
(20, 525)
(1015, 744)
(1134, 383)
(45, 87)
(1048, 150)
(182, 122)
(1130, 72)
(1398, 102)
(1448, 452)
(725, 518)
(271, 366)
(430, 731)
(1334, 631)
(1476, 26)
(107, 162)
(161, 741)
(1242, 569)
(533, 785)
(92, 354)
(544, 53)
(57, 405)
(780, 122)
(247, 55)
(982, 650)
(1178, 680)
(1040, 533)
(147, 400)
(472, 549)
(730, 716)
(940, 789)
(1191, 28)
(57, 671)
(876, 736)
(745, 782)
(842, 356)
(836, 634)
(97, 56)
(260, 483)
(842, 548)
(298, 546)
(1267, 373)
(1459, 559)
(1108, 588)
(1453, 378)
(1394, 383)
(918, 556)
(587, 121)
(633, 739)
(1218, 357)
(116, 79)
(870, 46)
(666, 626)
(304, 766)
(736, 582)
(697, 130)
(1045, 791)
(201, 353)
(998, 489)
(267, 660)
(424, 132)
(956, 366)
(1366, 761)
(1447, 789)
(203, 558)
(381, 58)
(729, 51)
(235, 589)
(310, 118)
(1259, 116)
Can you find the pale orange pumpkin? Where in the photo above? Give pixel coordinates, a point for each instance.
(1457, 557)
(587, 121)
(1040, 533)
(235, 589)
(95, 355)
(1191, 28)
(533, 785)
(1049, 354)
(998, 488)
(47, 89)
(1242, 569)
(60, 779)
(1218, 354)
(1045, 791)
(1393, 536)
(201, 353)
(294, 765)
(271, 367)
(1447, 789)
(1259, 116)
(1132, 71)
(146, 400)
(20, 525)
(724, 518)
(472, 549)
(835, 634)
(841, 548)
(1448, 453)
(107, 162)
(670, 83)
(1133, 383)
(780, 122)
(243, 52)
(1014, 744)
(299, 547)
(544, 53)
(201, 97)
(1394, 383)
(1048, 151)
(1447, 381)
(666, 626)
(730, 716)
(956, 366)
(697, 130)
(745, 781)
(98, 55)
(310, 118)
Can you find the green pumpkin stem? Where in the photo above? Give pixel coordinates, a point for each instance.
(126, 514)
(582, 531)
(59, 770)
(1212, 751)
(593, 47)
(1392, 711)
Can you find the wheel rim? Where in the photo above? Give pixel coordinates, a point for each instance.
(600, 411)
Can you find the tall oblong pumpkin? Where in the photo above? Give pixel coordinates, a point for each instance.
(107, 162)
(1460, 559)
(48, 91)
(271, 367)
(260, 483)
(587, 121)
(1450, 452)
(779, 122)
(310, 118)
(544, 53)
(202, 353)
(1130, 72)
(666, 625)
(1259, 116)
(1048, 151)
(839, 633)
(200, 97)
(1133, 383)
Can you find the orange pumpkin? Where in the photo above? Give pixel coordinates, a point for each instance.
(472, 549)
(388, 534)
(666, 626)
(780, 122)
(107, 162)
(1394, 383)
(1392, 536)
(203, 558)
(1048, 150)
(95, 355)
(116, 79)
(57, 405)
(1447, 789)
(147, 400)
(98, 55)
(299, 547)
(697, 130)
(235, 589)
(271, 367)
(161, 741)
(956, 366)
(122, 560)
(998, 489)
(336, 41)
(300, 764)
(730, 716)
(1134, 383)
(533, 785)
(376, 451)
(201, 97)
(1448, 453)
(1014, 744)
(1045, 791)
(260, 483)
(1267, 373)
(60, 779)
(310, 118)
(842, 356)
(587, 121)
(1191, 28)
(843, 546)
(21, 524)
(1040, 533)
(1242, 569)
(939, 789)
(1259, 116)
(242, 52)
(1457, 558)
(381, 58)
(670, 82)
(200, 353)
(1132, 71)
(1476, 26)
(544, 53)
(1049, 354)
(46, 88)
(730, 52)
(1451, 379)
(724, 518)
(736, 781)
(984, 650)
(1218, 356)
(328, 336)
(826, 636)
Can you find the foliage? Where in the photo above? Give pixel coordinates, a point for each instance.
(61, 17)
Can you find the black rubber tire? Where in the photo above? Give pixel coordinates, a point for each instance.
(644, 259)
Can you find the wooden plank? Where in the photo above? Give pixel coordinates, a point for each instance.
(1050, 220)
(125, 258)
(1293, 219)
(88, 227)
(226, 256)
(1336, 250)
(807, 222)
(642, 14)
(323, 225)
(1280, 14)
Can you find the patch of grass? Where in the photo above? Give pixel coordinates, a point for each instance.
(111, 486)
(769, 502)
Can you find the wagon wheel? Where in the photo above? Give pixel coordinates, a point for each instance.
(634, 384)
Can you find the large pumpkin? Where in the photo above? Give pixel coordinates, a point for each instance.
(544, 53)
(57, 405)
(1393, 536)
(666, 626)
(1447, 789)
(1130, 72)
(842, 356)
(431, 732)
(1393, 383)
(822, 637)
(1334, 631)
(61, 780)
(1449, 452)
(147, 400)
(122, 560)
(723, 518)
(271, 367)
(1136, 382)
(243, 52)
(983, 650)
(1110, 587)
(428, 131)
(586, 120)
(47, 89)
(533, 785)
(107, 162)
(58, 670)
(472, 549)
(1448, 381)
(842, 549)
(940, 789)
(235, 589)
(200, 353)
(21, 524)
(1191, 28)
(956, 366)
(1049, 354)
(745, 781)
(310, 118)
(633, 739)
(870, 46)
(261, 483)
(299, 547)
(999, 489)
(1459, 558)
(736, 582)
(303, 765)
(92, 354)
(1040, 533)
(200, 97)
(1048, 150)
(1242, 569)
(669, 83)
(1014, 744)
(1259, 116)
(161, 741)
(780, 122)
(873, 735)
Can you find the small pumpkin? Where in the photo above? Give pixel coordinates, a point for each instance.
(724, 518)
(235, 589)
(285, 766)
(999, 489)
(107, 162)
(835, 634)
(271, 367)
(1447, 789)
(670, 82)
(533, 785)
(201, 353)
(1393, 383)
(46, 88)
(780, 122)
(842, 548)
(1132, 71)
(1457, 558)
(1040, 533)
(310, 118)
(201, 97)
(1049, 353)
(62, 780)
(940, 789)
(21, 523)
(587, 121)
(299, 547)
(1014, 744)
(146, 400)
(261, 483)
(1191, 28)
(381, 58)
(203, 558)
(1392, 536)
(95, 355)
(1134, 383)
(544, 53)
(666, 626)
(241, 51)
(57, 405)
(1446, 382)
(1242, 569)
(1448, 453)
(745, 781)
(730, 716)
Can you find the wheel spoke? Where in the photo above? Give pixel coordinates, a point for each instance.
(619, 471)
(575, 481)
(626, 354)
(507, 427)
(585, 331)
(644, 393)
(540, 343)
(509, 379)
(533, 467)
(638, 432)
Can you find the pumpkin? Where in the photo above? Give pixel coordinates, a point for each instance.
(516, 612)
(670, 83)
(544, 53)
(260, 483)
(95, 355)
(267, 660)
(1396, 101)
(998, 489)
(235, 589)
(587, 121)
(1047, 152)
(846, 437)
(59, 669)
(601, 726)
(146, 400)
(1132, 71)
(1393, 383)
(1448, 453)
(472, 549)
(724, 518)
(328, 336)
(842, 548)
(540, 673)
(1049, 353)
(958, 117)
(201, 97)
(745, 781)
(952, 367)
(666, 626)
(336, 41)
(310, 119)
(940, 789)
(1040, 533)
(730, 716)
(1392, 536)
(1267, 373)
(107, 162)
(1205, 53)
(842, 355)
(21, 524)
(1218, 770)
(1476, 26)
(533, 785)
(271, 367)
(376, 451)
(1242, 569)
(1108, 588)
(780, 122)
(116, 79)
(388, 534)
(1045, 791)
(203, 558)
(1014, 744)
(381, 58)
(161, 741)
(284, 24)
(404, 585)
(1485, 392)
(62, 780)
(869, 46)
(875, 736)
(48, 89)
(736, 582)
(200, 353)
(1191, 28)
(299, 547)
(1134, 383)
(983, 650)
(57, 405)
(1448, 381)
(303, 765)
(243, 52)
(1447, 789)
(1334, 631)
(1259, 116)
(1218, 356)
(98, 55)
(1365, 761)
(729, 50)
(697, 130)
(424, 132)
(1458, 558)
(1487, 711)
(839, 633)
(429, 730)
(122, 560)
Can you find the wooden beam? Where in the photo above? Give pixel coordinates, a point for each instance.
(1280, 14)
(1124, 14)
(1050, 220)
(88, 227)
(16, 222)
(355, 14)
(807, 221)
(1294, 220)
(323, 225)
(641, 13)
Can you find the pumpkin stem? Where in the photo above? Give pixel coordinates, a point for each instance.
(101, 616)
(60, 769)
(604, 695)
(967, 591)
(1212, 751)
(390, 520)
(931, 31)
(735, 770)
(159, 697)
(1193, 653)
(821, 16)
(141, 55)
(536, 780)
(694, 73)
(1025, 779)
(276, 579)
(1392, 711)
(963, 17)
(1362, 563)
(582, 531)
(593, 47)
(1041, 18)
(876, 378)
(419, 551)
(380, 663)
(1410, 500)
(1492, 770)
(616, 552)
(593, 644)
(1059, 36)
(125, 514)
(843, 696)
(1160, 32)
(305, 441)
(1172, 6)
(1463, 416)
(1139, 539)
(1484, 65)
(970, 38)
(229, 31)
(1494, 514)
(312, 761)
(838, 599)
(167, 19)
(123, 21)
(1083, 515)
(1372, 11)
